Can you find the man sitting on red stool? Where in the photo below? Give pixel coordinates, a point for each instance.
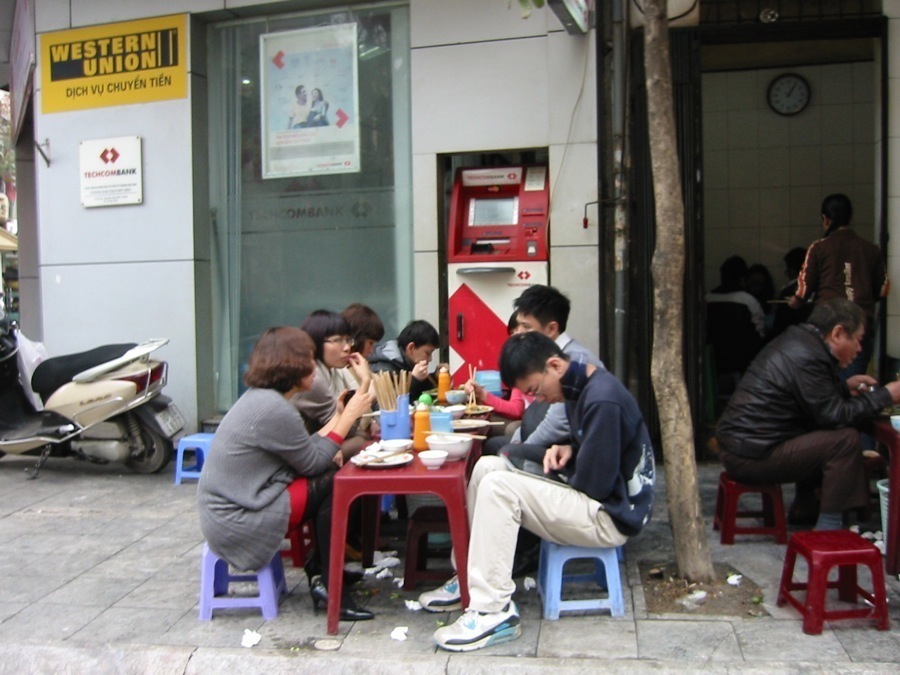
(792, 419)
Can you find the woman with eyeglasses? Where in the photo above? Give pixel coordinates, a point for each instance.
(339, 371)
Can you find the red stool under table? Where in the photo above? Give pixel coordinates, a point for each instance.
(302, 541)
(727, 512)
(423, 521)
(823, 550)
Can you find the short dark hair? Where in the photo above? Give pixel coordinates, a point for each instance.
(838, 209)
(526, 353)
(280, 358)
(420, 333)
(733, 273)
(364, 323)
(794, 259)
(545, 304)
(837, 312)
(324, 323)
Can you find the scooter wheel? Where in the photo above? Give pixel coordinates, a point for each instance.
(157, 453)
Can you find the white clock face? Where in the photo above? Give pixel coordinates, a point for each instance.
(788, 94)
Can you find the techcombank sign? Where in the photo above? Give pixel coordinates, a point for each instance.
(114, 64)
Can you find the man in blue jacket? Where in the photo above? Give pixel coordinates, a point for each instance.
(607, 495)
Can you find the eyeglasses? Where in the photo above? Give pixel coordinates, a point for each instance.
(349, 341)
(536, 391)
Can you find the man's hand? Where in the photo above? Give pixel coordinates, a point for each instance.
(894, 388)
(858, 384)
(420, 370)
(556, 457)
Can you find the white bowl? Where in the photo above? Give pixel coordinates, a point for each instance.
(456, 446)
(456, 396)
(396, 444)
(455, 410)
(895, 422)
(433, 459)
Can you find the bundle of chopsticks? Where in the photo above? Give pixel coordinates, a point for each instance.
(473, 402)
(388, 386)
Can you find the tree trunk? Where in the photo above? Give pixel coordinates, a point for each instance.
(692, 552)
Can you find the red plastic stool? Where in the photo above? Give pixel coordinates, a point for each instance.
(727, 512)
(302, 541)
(823, 550)
(424, 520)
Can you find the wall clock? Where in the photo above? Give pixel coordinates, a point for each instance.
(789, 94)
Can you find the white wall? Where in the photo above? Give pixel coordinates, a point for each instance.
(485, 79)
(765, 175)
(124, 273)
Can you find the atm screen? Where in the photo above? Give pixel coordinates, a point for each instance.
(490, 212)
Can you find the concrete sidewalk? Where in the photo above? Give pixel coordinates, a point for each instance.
(99, 573)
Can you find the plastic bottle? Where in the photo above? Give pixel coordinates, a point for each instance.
(421, 427)
(443, 385)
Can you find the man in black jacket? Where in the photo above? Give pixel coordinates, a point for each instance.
(792, 419)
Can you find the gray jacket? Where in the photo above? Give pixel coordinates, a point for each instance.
(260, 447)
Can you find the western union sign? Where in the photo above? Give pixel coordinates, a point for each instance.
(114, 64)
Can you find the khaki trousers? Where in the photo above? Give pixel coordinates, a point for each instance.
(499, 501)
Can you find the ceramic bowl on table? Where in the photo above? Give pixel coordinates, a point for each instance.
(433, 459)
(456, 446)
(456, 396)
(456, 411)
(895, 422)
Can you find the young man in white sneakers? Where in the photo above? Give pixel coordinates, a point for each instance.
(606, 497)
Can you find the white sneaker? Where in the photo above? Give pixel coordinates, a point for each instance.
(474, 630)
(444, 599)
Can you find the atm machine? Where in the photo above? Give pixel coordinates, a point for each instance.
(497, 247)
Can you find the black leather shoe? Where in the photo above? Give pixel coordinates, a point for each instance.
(313, 569)
(349, 610)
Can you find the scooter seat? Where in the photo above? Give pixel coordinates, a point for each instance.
(53, 373)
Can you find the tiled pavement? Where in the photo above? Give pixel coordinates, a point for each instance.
(99, 573)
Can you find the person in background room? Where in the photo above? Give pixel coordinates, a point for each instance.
(791, 419)
(265, 475)
(411, 351)
(339, 372)
(784, 315)
(844, 265)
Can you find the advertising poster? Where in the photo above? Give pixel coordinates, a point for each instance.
(310, 101)
(114, 64)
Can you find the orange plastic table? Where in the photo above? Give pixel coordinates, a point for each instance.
(884, 433)
(447, 482)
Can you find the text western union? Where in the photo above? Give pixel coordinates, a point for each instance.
(116, 54)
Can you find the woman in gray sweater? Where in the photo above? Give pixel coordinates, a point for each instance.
(265, 475)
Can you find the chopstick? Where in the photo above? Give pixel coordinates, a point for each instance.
(380, 458)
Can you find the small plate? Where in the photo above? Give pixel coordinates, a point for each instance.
(367, 460)
(478, 410)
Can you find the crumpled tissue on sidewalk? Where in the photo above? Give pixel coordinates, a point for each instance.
(399, 633)
(250, 638)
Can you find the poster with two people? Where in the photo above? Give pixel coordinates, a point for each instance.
(310, 103)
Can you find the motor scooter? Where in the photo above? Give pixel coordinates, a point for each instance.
(102, 405)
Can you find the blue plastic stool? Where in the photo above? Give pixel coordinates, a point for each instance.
(606, 574)
(215, 578)
(199, 445)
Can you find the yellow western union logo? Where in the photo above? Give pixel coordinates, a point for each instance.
(114, 64)
(113, 55)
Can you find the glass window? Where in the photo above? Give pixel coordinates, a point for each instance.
(283, 247)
